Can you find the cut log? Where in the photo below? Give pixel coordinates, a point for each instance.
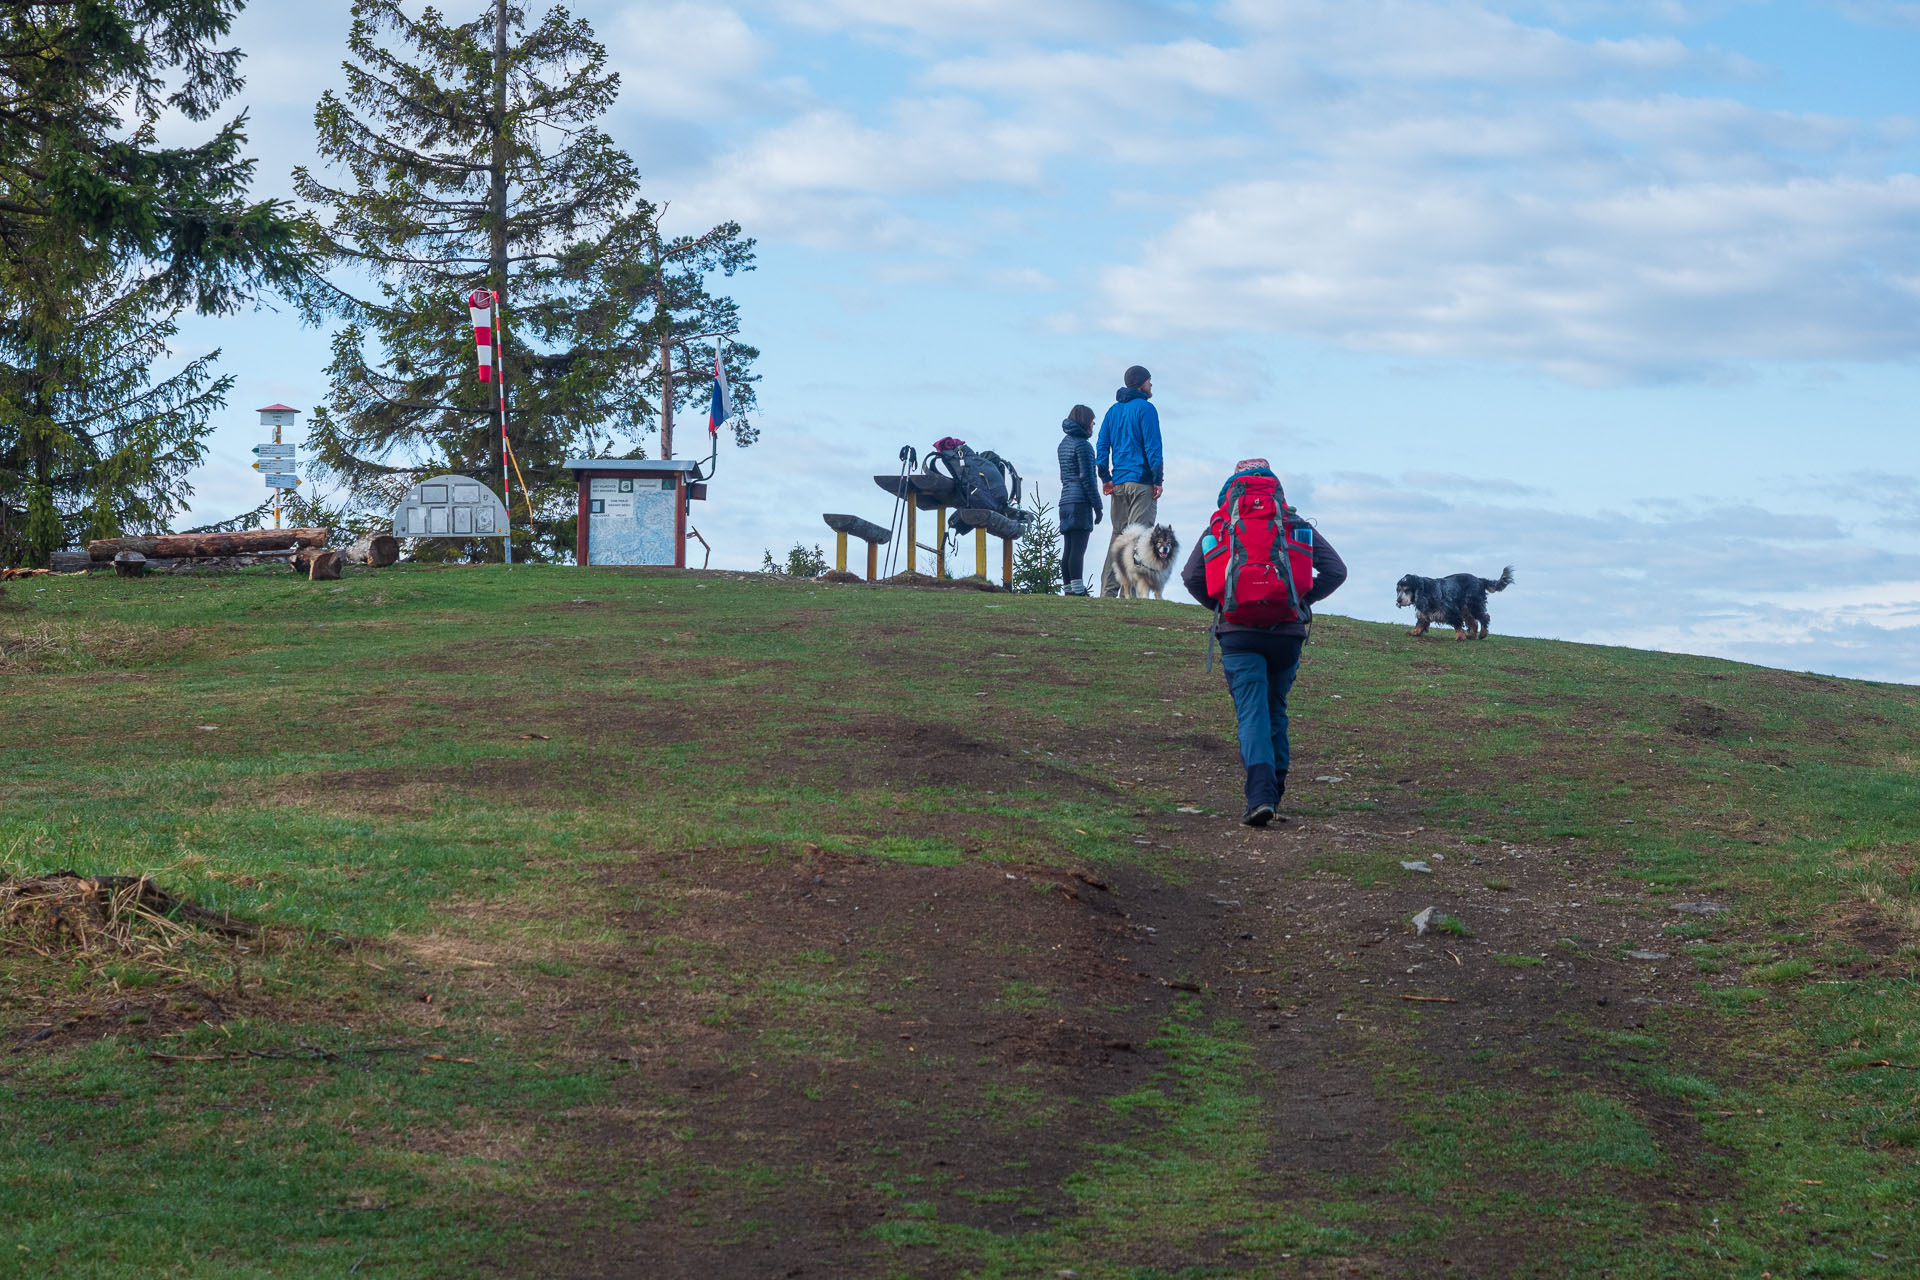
(376, 550)
(180, 546)
(69, 561)
(323, 566)
(130, 564)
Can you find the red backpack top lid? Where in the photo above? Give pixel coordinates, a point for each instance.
(1260, 566)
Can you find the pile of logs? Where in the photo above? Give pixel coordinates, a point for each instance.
(305, 549)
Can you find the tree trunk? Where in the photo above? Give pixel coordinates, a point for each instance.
(665, 318)
(377, 550)
(187, 545)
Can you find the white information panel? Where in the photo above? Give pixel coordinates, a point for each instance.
(450, 507)
(632, 519)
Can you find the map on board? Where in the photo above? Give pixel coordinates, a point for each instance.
(632, 520)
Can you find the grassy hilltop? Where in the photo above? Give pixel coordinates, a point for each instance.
(680, 925)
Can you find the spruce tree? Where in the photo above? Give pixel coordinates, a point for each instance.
(104, 236)
(472, 159)
(91, 445)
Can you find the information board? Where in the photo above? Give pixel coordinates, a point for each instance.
(632, 520)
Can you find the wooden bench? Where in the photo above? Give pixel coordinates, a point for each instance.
(867, 531)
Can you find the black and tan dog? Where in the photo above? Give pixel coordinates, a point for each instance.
(1459, 600)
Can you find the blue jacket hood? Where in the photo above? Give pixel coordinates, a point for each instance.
(1125, 394)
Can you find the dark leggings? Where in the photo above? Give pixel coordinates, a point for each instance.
(1073, 556)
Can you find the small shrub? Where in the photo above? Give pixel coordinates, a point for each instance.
(801, 563)
(1036, 556)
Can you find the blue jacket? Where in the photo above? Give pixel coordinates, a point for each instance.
(1129, 446)
(1078, 483)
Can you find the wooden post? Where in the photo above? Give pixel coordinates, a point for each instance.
(913, 538)
(873, 561)
(840, 552)
(940, 543)
(1006, 563)
(980, 553)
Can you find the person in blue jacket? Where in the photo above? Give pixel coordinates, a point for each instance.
(1128, 456)
(1080, 507)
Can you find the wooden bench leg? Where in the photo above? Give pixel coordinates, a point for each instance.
(840, 552)
(940, 543)
(1006, 563)
(873, 561)
(980, 553)
(913, 538)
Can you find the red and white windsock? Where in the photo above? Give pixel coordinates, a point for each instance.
(480, 306)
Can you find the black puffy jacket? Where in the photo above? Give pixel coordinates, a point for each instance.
(1079, 485)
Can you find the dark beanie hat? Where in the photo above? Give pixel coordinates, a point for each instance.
(1137, 377)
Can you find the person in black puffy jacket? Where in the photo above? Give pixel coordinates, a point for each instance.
(1080, 507)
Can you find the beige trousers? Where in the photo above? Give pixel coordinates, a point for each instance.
(1129, 503)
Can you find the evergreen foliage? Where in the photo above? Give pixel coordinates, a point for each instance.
(104, 237)
(1036, 556)
(802, 562)
(472, 159)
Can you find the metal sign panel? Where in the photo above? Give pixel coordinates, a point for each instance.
(632, 519)
(450, 507)
(274, 450)
(281, 481)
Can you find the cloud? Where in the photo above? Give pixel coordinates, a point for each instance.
(825, 178)
(983, 21)
(1617, 285)
(1417, 41)
(1900, 14)
(682, 59)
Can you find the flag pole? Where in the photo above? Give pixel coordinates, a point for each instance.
(500, 377)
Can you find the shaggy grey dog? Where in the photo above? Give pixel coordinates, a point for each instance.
(1142, 559)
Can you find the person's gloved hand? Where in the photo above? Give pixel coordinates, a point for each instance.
(1097, 513)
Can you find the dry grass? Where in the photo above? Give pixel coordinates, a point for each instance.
(105, 918)
(46, 647)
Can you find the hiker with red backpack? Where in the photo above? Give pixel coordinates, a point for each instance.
(1260, 568)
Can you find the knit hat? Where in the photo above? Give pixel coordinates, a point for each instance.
(1249, 464)
(1136, 377)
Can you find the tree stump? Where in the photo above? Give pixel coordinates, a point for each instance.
(324, 566)
(130, 564)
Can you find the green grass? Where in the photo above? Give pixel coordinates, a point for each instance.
(489, 788)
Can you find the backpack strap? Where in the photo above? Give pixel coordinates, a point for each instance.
(1282, 561)
(1236, 547)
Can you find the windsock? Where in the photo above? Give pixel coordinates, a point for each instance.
(480, 306)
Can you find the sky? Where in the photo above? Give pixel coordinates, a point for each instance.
(1623, 293)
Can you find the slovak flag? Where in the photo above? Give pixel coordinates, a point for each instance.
(480, 307)
(722, 399)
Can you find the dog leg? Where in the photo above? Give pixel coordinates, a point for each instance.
(1458, 634)
(1421, 629)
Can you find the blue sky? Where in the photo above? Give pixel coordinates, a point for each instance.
(1624, 294)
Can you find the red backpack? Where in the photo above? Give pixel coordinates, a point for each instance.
(1261, 560)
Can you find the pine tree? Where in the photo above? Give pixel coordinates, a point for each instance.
(104, 237)
(91, 444)
(472, 160)
(1036, 556)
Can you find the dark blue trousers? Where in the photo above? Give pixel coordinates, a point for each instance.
(1260, 668)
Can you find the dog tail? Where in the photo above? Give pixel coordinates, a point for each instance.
(1506, 580)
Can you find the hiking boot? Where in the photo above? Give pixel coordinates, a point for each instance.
(1263, 794)
(1077, 588)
